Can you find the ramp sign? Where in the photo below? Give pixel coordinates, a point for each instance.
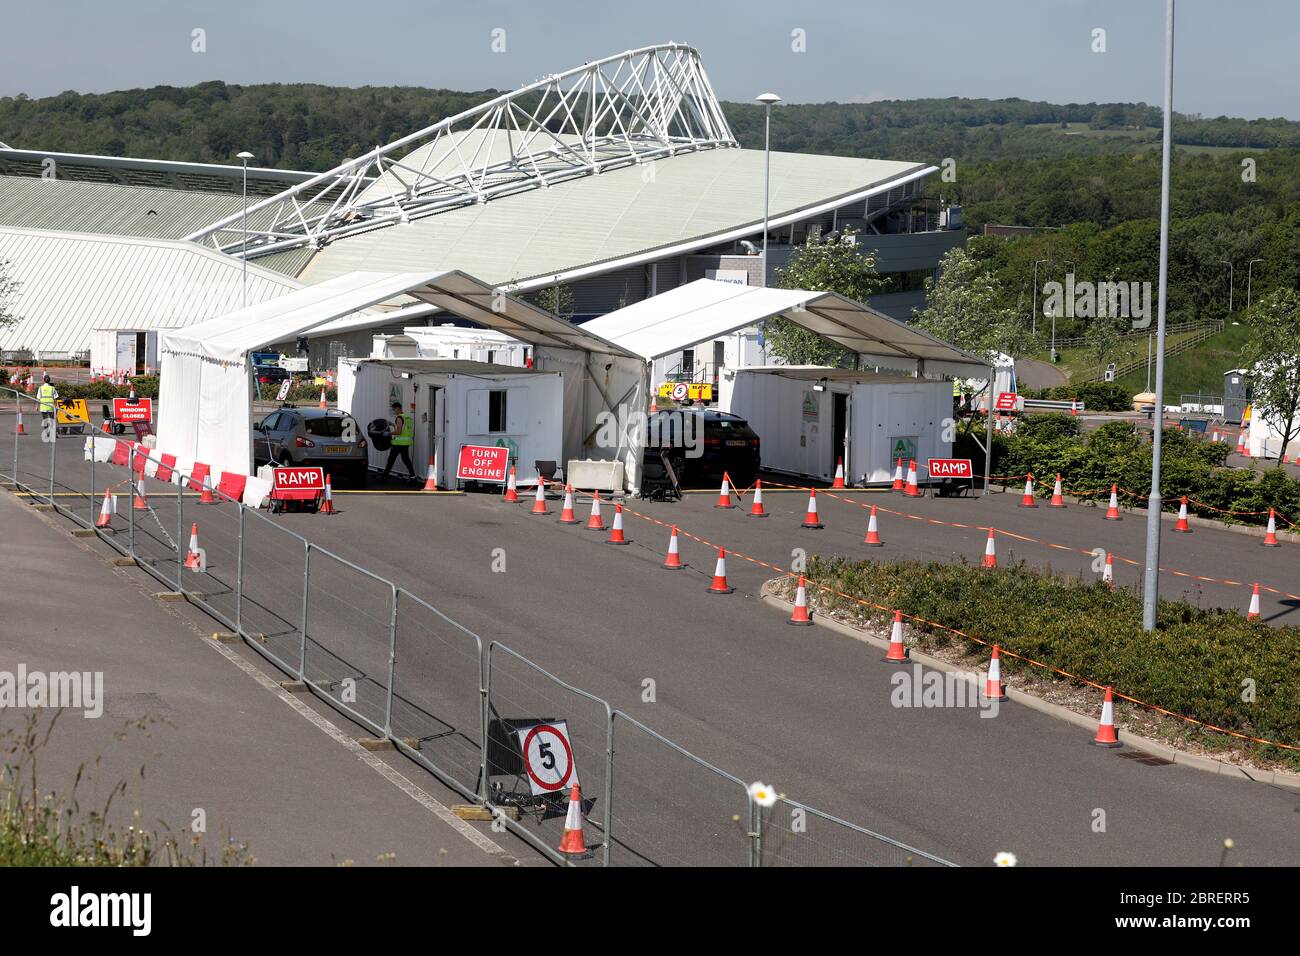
(548, 757)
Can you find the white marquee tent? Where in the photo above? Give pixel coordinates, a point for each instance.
(205, 404)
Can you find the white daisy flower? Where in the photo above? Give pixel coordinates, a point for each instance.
(1004, 859)
(762, 794)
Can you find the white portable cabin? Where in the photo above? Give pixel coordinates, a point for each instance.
(133, 351)
(449, 341)
(456, 402)
(807, 417)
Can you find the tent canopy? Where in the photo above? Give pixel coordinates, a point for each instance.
(331, 306)
(708, 309)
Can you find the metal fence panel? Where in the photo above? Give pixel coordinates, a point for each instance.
(671, 808)
(270, 611)
(520, 694)
(217, 527)
(437, 701)
(349, 634)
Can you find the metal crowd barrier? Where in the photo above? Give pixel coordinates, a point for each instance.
(406, 672)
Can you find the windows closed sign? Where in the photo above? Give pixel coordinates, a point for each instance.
(483, 463)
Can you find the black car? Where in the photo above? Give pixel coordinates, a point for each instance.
(703, 443)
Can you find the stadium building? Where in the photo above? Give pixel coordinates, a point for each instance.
(614, 181)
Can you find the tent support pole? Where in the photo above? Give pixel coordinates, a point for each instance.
(988, 433)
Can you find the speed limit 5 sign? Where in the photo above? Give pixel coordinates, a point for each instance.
(548, 757)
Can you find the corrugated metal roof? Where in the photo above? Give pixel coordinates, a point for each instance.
(149, 211)
(72, 283)
(607, 217)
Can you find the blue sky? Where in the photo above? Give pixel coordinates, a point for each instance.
(1234, 58)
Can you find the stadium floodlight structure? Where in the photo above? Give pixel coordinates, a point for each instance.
(644, 104)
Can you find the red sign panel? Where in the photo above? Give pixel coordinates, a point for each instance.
(483, 463)
(950, 468)
(1007, 401)
(127, 411)
(309, 480)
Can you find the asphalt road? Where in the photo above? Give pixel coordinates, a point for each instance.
(804, 709)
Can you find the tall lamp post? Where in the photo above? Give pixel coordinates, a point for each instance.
(767, 99)
(1249, 265)
(1151, 575)
(1033, 321)
(1229, 265)
(245, 156)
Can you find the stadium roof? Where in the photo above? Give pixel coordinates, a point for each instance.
(161, 173)
(707, 309)
(71, 283)
(618, 218)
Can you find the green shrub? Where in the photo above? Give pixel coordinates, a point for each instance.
(1193, 665)
(1090, 463)
(1096, 396)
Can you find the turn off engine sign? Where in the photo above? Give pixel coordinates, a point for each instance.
(483, 463)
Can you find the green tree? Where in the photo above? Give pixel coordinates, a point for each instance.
(556, 299)
(967, 308)
(1272, 354)
(822, 265)
(1101, 338)
(8, 294)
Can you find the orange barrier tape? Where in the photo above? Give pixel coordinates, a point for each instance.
(952, 630)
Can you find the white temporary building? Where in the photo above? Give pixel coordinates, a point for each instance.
(455, 402)
(205, 401)
(708, 310)
(450, 341)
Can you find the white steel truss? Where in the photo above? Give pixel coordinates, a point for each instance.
(636, 106)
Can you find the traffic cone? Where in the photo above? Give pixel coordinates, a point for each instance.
(719, 585)
(1112, 510)
(141, 502)
(192, 559)
(898, 476)
(323, 403)
(673, 560)
(566, 512)
(756, 509)
(1057, 501)
(207, 498)
(616, 531)
(873, 533)
(1241, 443)
(800, 616)
(1215, 437)
(1106, 735)
(512, 492)
(810, 519)
(1074, 408)
(431, 477)
(573, 843)
(539, 501)
(1252, 613)
(327, 503)
(724, 496)
(1027, 499)
(595, 522)
(897, 652)
(1181, 524)
(1108, 570)
(990, 552)
(911, 490)
(839, 473)
(1270, 533)
(993, 682)
(19, 430)
(105, 518)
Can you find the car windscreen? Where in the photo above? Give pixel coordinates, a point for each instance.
(331, 427)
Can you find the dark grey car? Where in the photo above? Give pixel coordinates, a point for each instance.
(320, 437)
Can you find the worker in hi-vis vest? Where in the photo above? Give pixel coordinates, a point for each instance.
(47, 395)
(403, 438)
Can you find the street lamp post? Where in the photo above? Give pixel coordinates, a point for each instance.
(767, 99)
(1033, 321)
(245, 156)
(1249, 266)
(1229, 265)
(1151, 575)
